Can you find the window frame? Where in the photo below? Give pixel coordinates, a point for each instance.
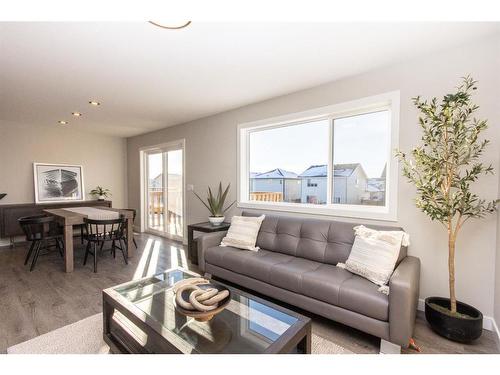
(387, 101)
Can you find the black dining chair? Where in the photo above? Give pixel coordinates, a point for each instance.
(134, 212)
(41, 230)
(99, 232)
(82, 234)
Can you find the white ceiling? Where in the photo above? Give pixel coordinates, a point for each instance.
(149, 78)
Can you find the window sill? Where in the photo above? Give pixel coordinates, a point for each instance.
(337, 210)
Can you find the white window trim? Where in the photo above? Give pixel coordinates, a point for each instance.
(389, 101)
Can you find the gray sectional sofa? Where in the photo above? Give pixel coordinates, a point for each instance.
(296, 264)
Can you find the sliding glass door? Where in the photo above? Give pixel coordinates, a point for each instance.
(164, 191)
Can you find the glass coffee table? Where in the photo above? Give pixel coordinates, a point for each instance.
(140, 317)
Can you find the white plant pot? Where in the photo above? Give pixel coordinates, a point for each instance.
(101, 198)
(216, 220)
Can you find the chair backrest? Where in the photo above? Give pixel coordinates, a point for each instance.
(37, 227)
(105, 229)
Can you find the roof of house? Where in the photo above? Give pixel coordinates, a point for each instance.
(275, 173)
(315, 171)
(339, 170)
(375, 184)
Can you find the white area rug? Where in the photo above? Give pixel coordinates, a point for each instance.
(82, 337)
(85, 337)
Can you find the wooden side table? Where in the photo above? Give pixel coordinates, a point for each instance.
(205, 228)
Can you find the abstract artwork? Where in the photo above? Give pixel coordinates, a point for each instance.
(58, 183)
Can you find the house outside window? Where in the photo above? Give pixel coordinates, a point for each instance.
(336, 160)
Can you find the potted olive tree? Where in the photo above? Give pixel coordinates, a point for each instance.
(215, 204)
(442, 169)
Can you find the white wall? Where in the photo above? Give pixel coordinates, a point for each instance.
(102, 157)
(211, 157)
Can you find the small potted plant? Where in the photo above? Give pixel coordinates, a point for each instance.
(443, 169)
(100, 193)
(215, 204)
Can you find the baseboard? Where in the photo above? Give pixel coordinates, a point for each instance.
(421, 305)
(137, 229)
(489, 323)
(497, 331)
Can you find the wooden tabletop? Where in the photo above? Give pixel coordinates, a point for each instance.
(75, 218)
(69, 218)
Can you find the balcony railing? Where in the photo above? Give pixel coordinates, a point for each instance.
(173, 221)
(266, 196)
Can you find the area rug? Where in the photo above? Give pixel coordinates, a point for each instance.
(82, 337)
(85, 337)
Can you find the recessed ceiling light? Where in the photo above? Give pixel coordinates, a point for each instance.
(76, 114)
(94, 103)
(62, 122)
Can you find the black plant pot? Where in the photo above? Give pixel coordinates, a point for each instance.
(454, 328)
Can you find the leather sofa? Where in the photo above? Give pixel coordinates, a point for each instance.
(296, 264)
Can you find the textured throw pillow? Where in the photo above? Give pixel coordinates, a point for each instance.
(243, 232)
(374, 253)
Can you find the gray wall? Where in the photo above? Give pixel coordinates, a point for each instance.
(102, 157)
(211, 157)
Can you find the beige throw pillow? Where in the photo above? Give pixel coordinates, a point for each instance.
(243, 232)
(374, 253)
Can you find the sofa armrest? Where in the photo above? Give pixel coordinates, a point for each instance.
(404, 288)
(206, 241)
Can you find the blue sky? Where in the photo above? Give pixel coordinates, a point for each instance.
(358, 139)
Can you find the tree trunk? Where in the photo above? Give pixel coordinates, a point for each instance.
(451, 269)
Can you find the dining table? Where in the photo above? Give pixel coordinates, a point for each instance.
(68, 219)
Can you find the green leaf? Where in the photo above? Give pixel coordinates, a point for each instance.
(445, 165)
(215, 203)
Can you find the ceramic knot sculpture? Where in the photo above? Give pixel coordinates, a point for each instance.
(198, 295)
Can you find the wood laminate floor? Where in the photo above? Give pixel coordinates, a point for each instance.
(33, 303)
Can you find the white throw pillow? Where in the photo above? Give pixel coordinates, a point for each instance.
(374, 253)
(243, 232)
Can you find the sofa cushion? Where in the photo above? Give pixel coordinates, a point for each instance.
(289, 275)
(228, 257)
(243, 232)
(324, 241)
(362, 296)
(260, 266)
(253, 264)
(324, 283)
(340, 240)
(374, 253)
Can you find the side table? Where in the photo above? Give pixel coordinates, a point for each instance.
(205, 228)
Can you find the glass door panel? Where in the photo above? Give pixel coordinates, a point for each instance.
(164, 192)
(174, 191)
(155, 191)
